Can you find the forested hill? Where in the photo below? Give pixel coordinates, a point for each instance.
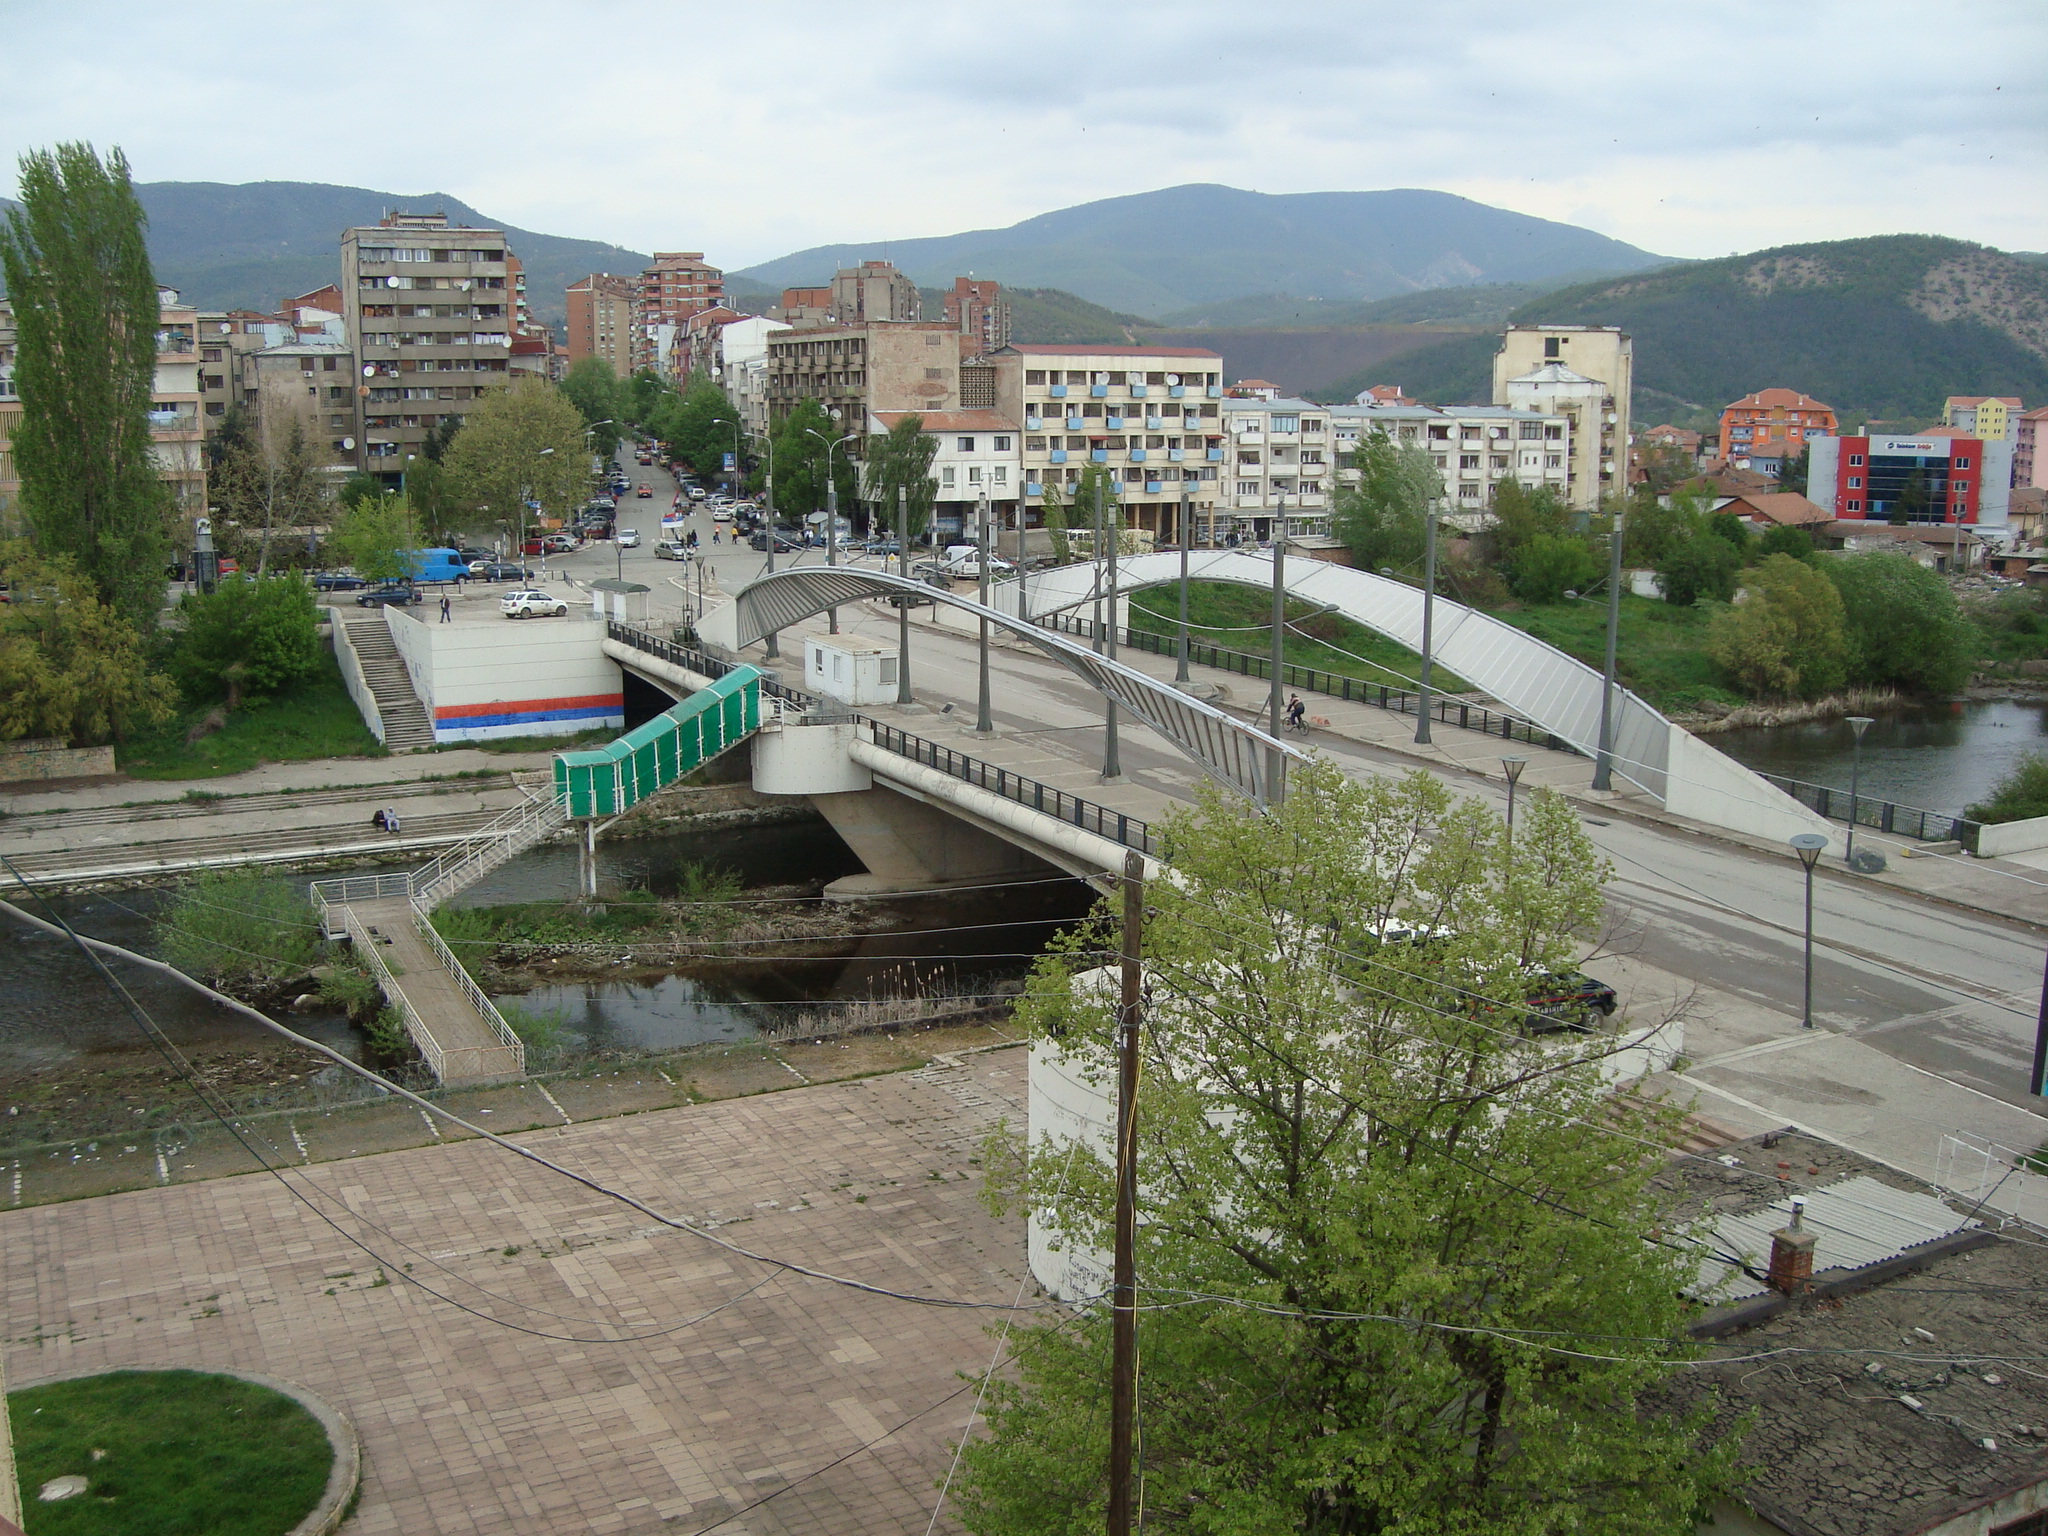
(1883, 327)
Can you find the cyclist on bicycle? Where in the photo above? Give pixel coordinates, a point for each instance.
(1296, 713)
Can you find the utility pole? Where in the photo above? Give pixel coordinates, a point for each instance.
(903, 598)
(1123, 1374)
(1112, 767)
(1603, 765)
(984, 724)
(1180, 669)
(1422, 695)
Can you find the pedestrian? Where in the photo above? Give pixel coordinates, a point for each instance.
(714, 535)
(446, 612)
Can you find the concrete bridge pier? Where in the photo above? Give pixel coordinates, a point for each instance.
(907, 843)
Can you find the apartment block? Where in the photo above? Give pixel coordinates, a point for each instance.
(2029, 464)
(1585, 373)
(977, 309)
(1993, 418)
(429, 311)
(601, 320)
(1476, 448)
(872, 291)
(905, 366)
(804, 308)
(677, 286)
(1763, 431)
(1151, 415)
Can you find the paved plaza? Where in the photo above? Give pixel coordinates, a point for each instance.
(473, 1427)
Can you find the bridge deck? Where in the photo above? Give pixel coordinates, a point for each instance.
(470, 1049)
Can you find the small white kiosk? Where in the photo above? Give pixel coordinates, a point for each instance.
(850, 669)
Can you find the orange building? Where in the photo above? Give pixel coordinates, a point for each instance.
(1773, 425)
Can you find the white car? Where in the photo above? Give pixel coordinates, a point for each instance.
(531, 603)
(721, 514)
(628, 538)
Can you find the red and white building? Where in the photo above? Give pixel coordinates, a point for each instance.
(1937, 477)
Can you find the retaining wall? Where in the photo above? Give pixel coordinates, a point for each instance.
(527, 677)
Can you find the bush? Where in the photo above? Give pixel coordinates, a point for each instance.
(1796, 542)
(1700, 566)
(239, 928)
(1548, 565)
(246, 639)
(1905, 630)
(2020, 795)
(1787, 638)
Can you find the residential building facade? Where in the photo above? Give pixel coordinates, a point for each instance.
(1585, 373)
(2029, 439)
(854, 369)
(1928, 479)
(804, 308)
(874, 290)
(601, 310)
(977, 455)
(977, 309)
(1151, 415)
(1990, 417)
(430, 316)
(677, 286)
(1764, 430)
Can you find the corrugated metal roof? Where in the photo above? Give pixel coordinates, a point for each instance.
(1855, 1222)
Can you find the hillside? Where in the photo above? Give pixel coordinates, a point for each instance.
(1156, 253)
(1476, 304)
(251, 246)
(1884, 327)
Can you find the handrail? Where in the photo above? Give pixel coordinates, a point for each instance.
(693, 660)
(1356, 690)
(424, 922)
(482, 851)
(1882, 815)
(366, 948)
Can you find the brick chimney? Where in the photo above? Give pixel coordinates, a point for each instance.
(1792, 1252)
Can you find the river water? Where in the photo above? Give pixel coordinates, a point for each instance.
(1937, 757)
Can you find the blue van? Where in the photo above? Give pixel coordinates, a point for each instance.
(429, 565)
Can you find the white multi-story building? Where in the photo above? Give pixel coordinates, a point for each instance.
(1274, 447)
(977, 455)
(1585, 373)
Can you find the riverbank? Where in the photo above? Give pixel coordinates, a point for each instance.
(1707, 719)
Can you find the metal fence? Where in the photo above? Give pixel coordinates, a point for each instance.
(1879, 815)
(693, 660)
(1337, 685)
(1128, 831)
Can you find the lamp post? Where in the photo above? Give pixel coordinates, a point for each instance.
(1428, 622)
(1859, 724)
(902, 598)
(984, 725)
(1808, 846)
(771, 649)
(831, 502)
(1513, 767)
(1275, 765)
(1180, 666)
(1603, 765)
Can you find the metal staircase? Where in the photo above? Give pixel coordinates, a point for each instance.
(406, 726)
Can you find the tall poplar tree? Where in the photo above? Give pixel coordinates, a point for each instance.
(901, 460)
(85, 314)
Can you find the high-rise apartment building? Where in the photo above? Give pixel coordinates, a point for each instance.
(1990, 417)
(909, 366)
(677, 286)
(2029, 460)
(978, 309)
(430, 315)
(601, 309)
(1585, 373)
(874, 290)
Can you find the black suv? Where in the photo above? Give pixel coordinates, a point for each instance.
(398, 594)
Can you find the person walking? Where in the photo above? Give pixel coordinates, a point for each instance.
(446, 611)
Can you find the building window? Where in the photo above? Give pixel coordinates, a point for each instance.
(1247, 487)
(1468, 461)
(1002, 445)
(974, 474)
(1855, 482)
(1962, 463)
(964, 444)
(1855, 506)
(1550, 346)
(946, 475)
(1553, 434)
(1855, 458)
(1553, 461)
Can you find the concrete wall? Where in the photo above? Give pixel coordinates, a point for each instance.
(2012, 837)
(352, 673)
(22, 761)
(539, 677)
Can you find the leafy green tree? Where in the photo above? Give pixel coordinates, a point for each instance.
(1666, 467)
(1728, 526)
(1701, 566)
(70, 665)
(1794, 475)
(1656, 525)
(359, 488)
(1905, 630)
(1786, 539)
(1368, 1212)
(642, 394)
(900, 461)
(594, 389)
(1054, 511)
(375, 538)
(1380, 515)
(1787, 638)
(698, 427)
(239, 929)
(801, 455)
(271, 474)
(86, 317)
(246, 639)
(525, 442)
(1522, 513)
(1910, 505)
(1549, 565)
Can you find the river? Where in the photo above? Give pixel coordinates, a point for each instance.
(1936, 757)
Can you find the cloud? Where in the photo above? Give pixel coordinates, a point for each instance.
(751, 130)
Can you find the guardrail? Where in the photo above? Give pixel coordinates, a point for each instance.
(1336, 685)
(1129, 831)
(1879, 815)
(367, 950)
(485, 849)
(424, 922)
(693, 660)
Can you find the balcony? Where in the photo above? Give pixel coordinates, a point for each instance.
(1034, 423)
(1058, 456)
(1114, 422)
(1138, 391)
(1215, 455)
(1098, 455)
(161, 422)
(1033, 488)
(1058, 392)
(1076, 424)
(1154, 487)
(1099, 391)
(1251, 503)
(1215, 391)
(1176, 455)
(1137, 455)
(1155, 424)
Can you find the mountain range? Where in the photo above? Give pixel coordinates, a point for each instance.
(1881, 327)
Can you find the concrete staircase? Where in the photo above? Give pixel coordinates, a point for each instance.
(406, 726)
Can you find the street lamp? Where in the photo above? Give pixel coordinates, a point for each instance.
(1180, 666)
(1808, 846)
(1603, 765)
(984, 724)
(1859, 724)
(771, 649)
(1513, 767)
(1428, 622)
(831, 500)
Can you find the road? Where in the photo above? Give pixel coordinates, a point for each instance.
(1925, 1014)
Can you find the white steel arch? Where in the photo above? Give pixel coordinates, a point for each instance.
(1232, 750)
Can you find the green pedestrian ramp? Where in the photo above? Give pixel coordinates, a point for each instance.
(650, 757)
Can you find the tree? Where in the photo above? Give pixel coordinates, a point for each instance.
(1055, 514)
(524, 443)
(1666, 466)
(1787, 638)
(1793, 476)
(2020, 796)
(359, 488)
(70, 665)
(86, 316)
(1522, 513)
(1697, 567)
(1786, 539)
(1378, 1232)
(270, 474)
(1728, 526)
(698, 427)
(801, 461)
(898, 479)
(376, 538)
(594, 390)
(1910, 506)
(1380, 515)
(640, 395)
(1905, 630)
(1550, 565)
(1656, 525)
(239, 929)
(246, 639)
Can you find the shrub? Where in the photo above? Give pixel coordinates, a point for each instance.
(1787, 638)
(239, 928)
(1548, 565)
(2020, 795)
(1697, 567)
(1905, 630)
(246, 639)
(1796, 542)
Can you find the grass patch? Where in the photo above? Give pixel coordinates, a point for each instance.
(168, 1452)
(1236, 617)
(1662, 652)
(314, 718)
(701, 907)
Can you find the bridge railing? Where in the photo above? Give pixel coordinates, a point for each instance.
(423, 920)
(691, 659)
(1879, 815)
(1338, 685)
(1129, 831)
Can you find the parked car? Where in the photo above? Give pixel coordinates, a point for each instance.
(337, 581)
(629, 538)
(474, 555)
(889, 548)
(531, 603)
(784, 543)
(396, 594)
(1565, 1002)
(671, 549)
(696, 493)
(645, 491)
(560, 543)
(499, 570)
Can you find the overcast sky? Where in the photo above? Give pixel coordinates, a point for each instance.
(750, 130)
